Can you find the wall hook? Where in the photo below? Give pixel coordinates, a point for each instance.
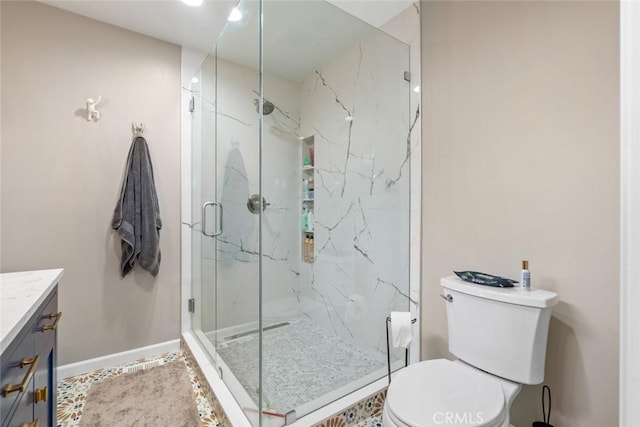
(92, 112)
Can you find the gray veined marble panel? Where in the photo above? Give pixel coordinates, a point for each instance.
(237, 169)
(357, 107)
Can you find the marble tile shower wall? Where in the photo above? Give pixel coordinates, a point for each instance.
(237, 174)
(406, 27)
(362, 175)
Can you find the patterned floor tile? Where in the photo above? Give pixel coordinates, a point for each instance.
(371, 422)
(73, 391)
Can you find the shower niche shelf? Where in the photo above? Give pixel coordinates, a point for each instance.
(308, 199)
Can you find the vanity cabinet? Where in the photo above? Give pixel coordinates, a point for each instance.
(28, 369)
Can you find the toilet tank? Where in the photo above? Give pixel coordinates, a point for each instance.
(502, 331)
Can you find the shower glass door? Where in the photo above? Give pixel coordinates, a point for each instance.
(226, 166)
(203, 266)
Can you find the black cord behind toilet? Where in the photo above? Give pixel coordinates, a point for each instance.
(546, 416)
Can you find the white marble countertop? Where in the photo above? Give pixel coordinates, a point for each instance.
(21, 294)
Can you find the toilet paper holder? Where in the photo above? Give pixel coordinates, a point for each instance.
(406, 351)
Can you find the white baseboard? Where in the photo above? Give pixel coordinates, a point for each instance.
(117, 359)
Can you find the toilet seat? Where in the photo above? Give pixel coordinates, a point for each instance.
(440, 392)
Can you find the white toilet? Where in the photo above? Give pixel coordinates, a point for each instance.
(499, 336)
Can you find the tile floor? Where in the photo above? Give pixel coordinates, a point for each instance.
(73, 391)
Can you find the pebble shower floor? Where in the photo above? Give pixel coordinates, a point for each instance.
(73, 391)
(301, 362)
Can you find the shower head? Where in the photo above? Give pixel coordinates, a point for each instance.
(267, 107)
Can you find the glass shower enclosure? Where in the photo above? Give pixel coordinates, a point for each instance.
(300, 197)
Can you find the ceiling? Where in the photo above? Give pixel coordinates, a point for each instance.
(169, 20)
(198, 27)
(298, 37)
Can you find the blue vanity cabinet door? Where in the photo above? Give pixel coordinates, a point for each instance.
(44, 395)
(45, 380)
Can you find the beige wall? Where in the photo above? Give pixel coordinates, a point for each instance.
(520, 161)
(61, 175)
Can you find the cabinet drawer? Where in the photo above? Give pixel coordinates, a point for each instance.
(46, 324)
(24, 410)
(15, 372)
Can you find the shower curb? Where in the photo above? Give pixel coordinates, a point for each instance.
(218, 411)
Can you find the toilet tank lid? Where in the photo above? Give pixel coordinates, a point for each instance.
(531, 298)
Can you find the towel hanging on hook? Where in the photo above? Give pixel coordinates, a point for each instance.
(137, 212)
(137, 128)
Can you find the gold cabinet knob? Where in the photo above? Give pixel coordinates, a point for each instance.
(36, 423)
(41, 395)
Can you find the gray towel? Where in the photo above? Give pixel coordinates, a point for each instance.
(137, 215)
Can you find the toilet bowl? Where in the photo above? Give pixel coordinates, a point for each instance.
(445, 393)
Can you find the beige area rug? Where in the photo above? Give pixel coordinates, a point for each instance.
(160, 396)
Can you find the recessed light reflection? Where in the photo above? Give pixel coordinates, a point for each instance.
(194, 80)
(235, 15)
(192, 2)
(416, 89)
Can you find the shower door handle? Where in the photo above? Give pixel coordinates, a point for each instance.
(219, 232)
(204, 219)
